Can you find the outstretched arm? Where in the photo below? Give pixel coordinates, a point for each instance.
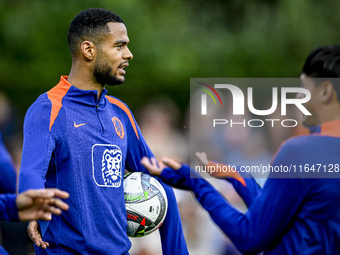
(252, 232)
(244, 184)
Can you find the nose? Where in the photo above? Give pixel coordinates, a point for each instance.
(127, 54)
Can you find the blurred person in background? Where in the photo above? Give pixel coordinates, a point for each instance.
(8, 178)
(14, 235)
(158, 121)
(11, 128)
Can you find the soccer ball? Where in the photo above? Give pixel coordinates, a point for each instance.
(146, 204)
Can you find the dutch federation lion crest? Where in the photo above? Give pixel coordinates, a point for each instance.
(112, 167)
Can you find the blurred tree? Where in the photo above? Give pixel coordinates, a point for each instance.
(171, 42)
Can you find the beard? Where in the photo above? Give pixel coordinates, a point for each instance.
(103, 74)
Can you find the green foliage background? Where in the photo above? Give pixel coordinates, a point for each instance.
(172, 41)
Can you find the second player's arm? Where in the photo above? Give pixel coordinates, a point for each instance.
(266, 219)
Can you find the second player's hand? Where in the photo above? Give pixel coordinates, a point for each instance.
(202, 158)
(229, 172)
(41, 204)
(156, 169)
(35, 235)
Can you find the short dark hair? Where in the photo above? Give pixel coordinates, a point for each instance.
(323, 62)
(90, 24)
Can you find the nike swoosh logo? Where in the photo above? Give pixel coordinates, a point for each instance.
(79, 125)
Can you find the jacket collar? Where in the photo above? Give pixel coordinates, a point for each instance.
(83, 96)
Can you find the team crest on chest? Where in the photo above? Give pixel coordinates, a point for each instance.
(112, 167)
(118, 127)
(107, 165)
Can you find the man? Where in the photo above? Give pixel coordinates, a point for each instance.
(78, 139)
(293, 215)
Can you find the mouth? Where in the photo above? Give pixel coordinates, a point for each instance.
(122, 66)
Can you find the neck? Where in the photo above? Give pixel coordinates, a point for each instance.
(332, 112)
(84, 80)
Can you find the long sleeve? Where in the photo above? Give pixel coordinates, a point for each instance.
(171, 231)
(250, 191)
(244, 184)
(8, 208)
(251, 232)
(37, 148)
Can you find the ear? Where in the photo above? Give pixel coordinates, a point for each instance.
(327, 92)
(88, 50)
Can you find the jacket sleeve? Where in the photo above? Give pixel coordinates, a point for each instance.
(244, 184)
(8, 208)
(171, 231)
(267, 217)
(38, 146)
(250, 191)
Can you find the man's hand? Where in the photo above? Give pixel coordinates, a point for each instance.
(173, 173)
(204, 161)
(35, 235)
(202, 158)
(227, 172)
(40, 204)
(155, 169)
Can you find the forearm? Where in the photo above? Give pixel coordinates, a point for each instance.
(211, 200)
(233, 223)
(244, 184)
